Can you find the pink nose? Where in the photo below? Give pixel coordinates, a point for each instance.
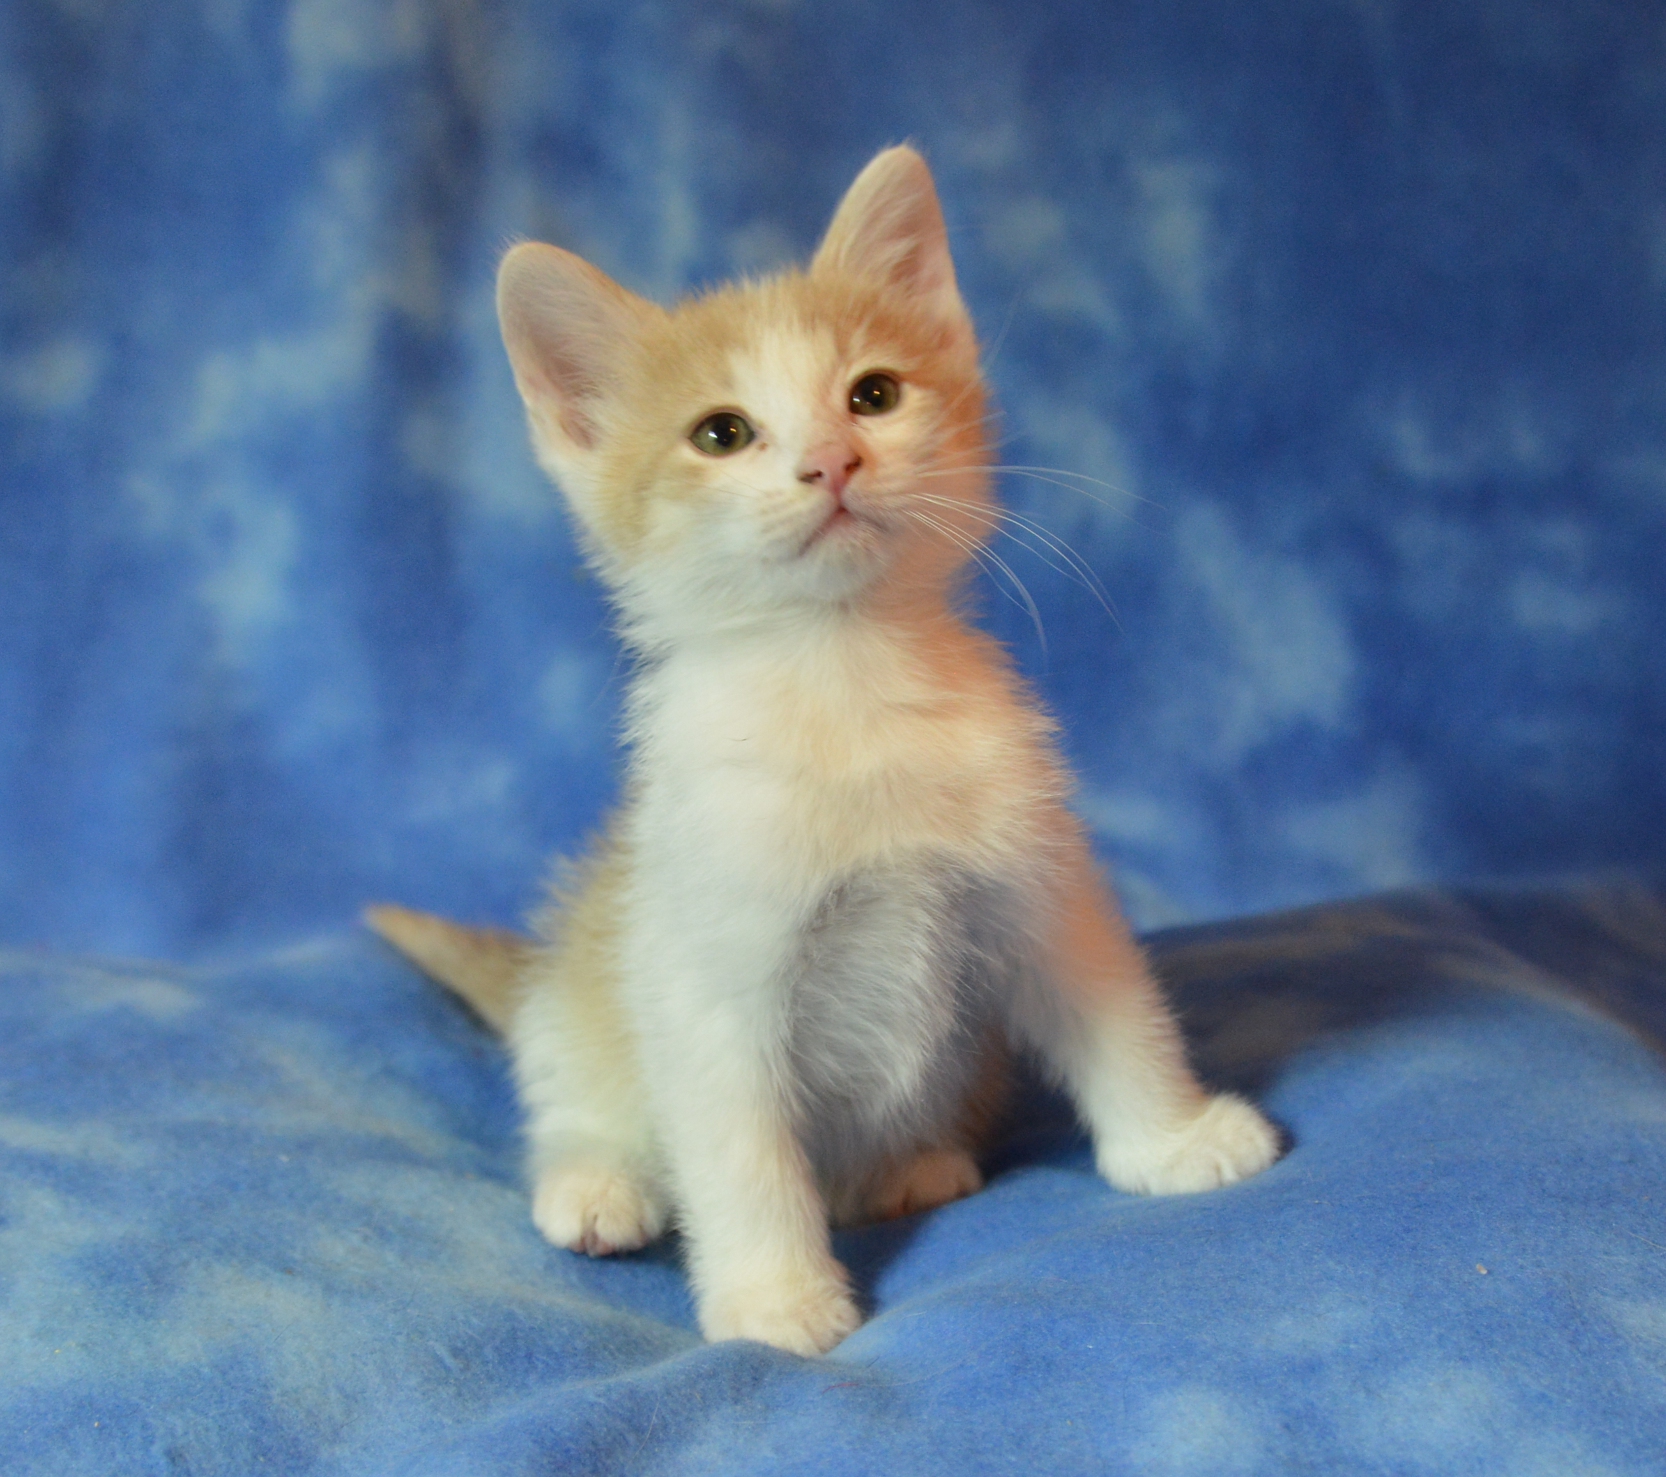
(830, 466)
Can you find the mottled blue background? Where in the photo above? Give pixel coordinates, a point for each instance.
(1358, 309)
(1345, 321)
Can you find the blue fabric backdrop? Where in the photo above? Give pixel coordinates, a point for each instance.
(1343, 323)
(268, 1218)
(1358, 309)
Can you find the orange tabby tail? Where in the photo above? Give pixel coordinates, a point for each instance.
(480, 964)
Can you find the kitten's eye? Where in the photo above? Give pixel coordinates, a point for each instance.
(874, 394)
(722, 434)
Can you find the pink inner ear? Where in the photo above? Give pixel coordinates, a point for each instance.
(889, 228)
(567, 327)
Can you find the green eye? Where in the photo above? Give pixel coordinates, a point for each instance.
(722, 434)
(874, 394)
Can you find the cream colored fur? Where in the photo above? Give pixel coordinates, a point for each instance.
(845, 880)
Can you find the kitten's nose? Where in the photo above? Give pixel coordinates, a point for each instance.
(830, 466)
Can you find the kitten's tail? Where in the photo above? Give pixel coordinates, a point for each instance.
(483, 965)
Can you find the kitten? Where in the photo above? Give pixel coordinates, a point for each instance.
(844, 882)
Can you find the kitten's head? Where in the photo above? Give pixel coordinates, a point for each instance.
(805, 442)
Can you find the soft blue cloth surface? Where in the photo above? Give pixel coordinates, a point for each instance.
(266, 1217)
(1346, 324)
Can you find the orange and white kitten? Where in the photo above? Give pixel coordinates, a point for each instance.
(845, 880)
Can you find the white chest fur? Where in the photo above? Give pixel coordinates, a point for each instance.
(836, 839)
(812, 756)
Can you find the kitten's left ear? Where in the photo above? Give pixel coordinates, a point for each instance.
(889, 229)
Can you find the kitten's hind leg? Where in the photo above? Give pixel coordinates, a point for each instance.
(1100, 1019)
(934, 1175)
(924, 1181)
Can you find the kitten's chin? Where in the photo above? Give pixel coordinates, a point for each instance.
(842, 534)
(841, 523)
(844, 555)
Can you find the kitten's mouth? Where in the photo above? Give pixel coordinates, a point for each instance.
(841, 524)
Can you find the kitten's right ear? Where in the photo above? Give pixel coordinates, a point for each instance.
(568, 328)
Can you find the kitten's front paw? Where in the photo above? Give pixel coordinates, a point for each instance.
(596, 1209)
(1228, 1141)
(803, 1315)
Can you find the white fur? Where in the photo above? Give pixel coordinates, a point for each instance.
(846, 855)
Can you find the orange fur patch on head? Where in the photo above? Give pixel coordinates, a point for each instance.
(693, 361)
(801, 494)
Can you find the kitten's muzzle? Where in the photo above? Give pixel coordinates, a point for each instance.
(830, 467)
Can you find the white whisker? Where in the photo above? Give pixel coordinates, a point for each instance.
(1056, 474)
(994, 350)
(1075, 567)
(984, 557)
(1055, 477)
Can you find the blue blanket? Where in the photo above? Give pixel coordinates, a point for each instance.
(1328, 337)
(267, 1217)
